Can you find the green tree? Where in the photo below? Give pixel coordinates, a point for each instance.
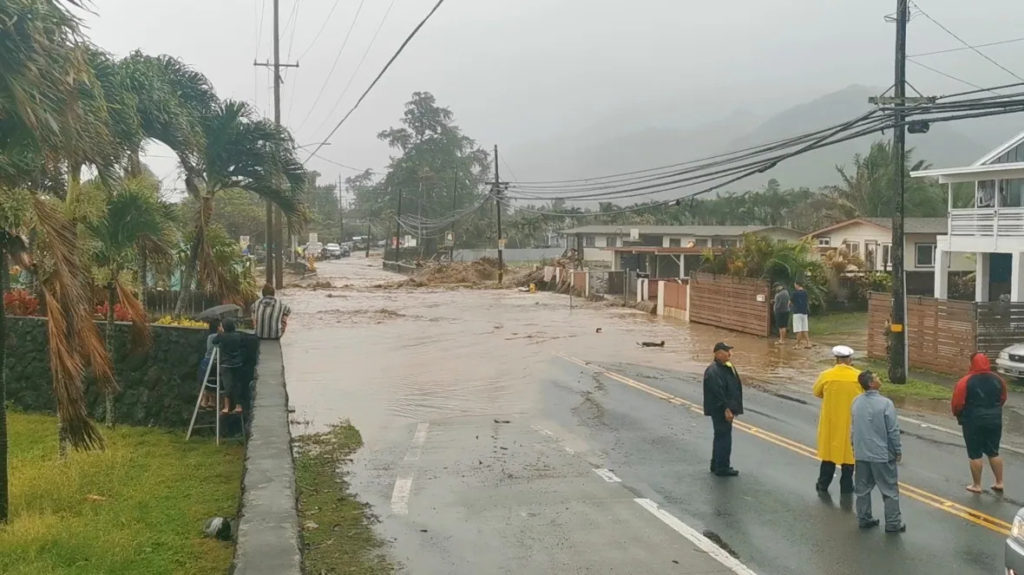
(866, 190)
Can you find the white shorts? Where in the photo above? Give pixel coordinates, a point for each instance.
(799, 322)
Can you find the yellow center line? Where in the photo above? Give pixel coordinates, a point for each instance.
(930, 499)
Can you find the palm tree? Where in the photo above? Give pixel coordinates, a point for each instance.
(46, 130)
(245, 153)
(867, 190)
(134, 224)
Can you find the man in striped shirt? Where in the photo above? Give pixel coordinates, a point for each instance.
(270, 315)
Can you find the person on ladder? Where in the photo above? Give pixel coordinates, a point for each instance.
(232, 349)
(209, 400)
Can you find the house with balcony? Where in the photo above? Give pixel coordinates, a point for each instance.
(986, 219)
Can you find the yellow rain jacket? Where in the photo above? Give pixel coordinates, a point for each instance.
(837, 387)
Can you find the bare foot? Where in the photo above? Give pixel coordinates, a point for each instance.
(997, 488)
(238, 409)
(974, 488)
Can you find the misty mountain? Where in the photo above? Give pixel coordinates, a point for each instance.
(587, 154)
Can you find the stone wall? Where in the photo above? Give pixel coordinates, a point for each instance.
(158, 386)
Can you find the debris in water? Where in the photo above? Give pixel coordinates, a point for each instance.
(598, 330)
(651, 343)
(502, 421)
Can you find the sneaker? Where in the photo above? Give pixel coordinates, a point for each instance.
(868, 524)
(730, 472)
(902, 527)
(820, 488)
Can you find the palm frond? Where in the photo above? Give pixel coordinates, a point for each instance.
(141, 337)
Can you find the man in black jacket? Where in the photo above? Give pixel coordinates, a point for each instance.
(723, 401)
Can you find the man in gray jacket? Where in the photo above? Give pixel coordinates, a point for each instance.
(877, 450)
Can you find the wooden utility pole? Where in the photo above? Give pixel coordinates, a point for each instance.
(898, 349)
(496, 188)
(455, 195)
(398, 229)
(341, 214)
(275, 253)
(368, 238)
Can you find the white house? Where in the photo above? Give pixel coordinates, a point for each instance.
(871, 239)
(986, 218)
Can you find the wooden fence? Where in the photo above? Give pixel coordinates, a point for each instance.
(1000, 324)
(739, 304)
(941, 334)
(675, 294)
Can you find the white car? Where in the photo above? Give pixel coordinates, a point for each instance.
(1011, 361)
(1015, 546)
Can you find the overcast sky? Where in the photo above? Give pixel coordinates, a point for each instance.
(517, 72)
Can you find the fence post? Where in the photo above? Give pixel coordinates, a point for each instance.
(661, 298)
(586, 283)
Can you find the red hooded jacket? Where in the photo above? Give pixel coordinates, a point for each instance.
(979, 396)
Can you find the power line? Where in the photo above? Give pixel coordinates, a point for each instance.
(337, 57)
(339, 164)
(950, 76)
(323, 26)
(293, 20)
(949, 50)
(379, 76)
(966, 44)
(362, 59)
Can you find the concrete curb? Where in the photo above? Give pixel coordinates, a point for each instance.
(268, 528)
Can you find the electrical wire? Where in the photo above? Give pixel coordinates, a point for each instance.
(950, 76)
(965, 43)
(379, 76)
(337, 57)
(362, 59)
(323, 26)
(948, 50)
(340, 165)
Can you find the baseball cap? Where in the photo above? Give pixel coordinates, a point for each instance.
(720, 346)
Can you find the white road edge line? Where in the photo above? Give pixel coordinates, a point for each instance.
(416, 448)
(608, 476)
(954, 432)
(705, 544)
(400, 496)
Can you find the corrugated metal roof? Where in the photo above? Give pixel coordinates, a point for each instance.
(699, 231)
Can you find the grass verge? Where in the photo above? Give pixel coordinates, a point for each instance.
(137, 507)
(838, 324)
(337, 534)
(914, 388)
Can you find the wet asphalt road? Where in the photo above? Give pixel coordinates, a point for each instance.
(493, 446)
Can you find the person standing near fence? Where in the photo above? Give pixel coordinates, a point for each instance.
(978, 400)
(270, 315)
(781, 308)
(801, 311)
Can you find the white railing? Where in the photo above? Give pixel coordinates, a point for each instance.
(987, 222)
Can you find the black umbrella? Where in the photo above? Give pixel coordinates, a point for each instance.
(220, 312)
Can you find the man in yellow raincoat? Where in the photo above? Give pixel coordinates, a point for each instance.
(837, 387)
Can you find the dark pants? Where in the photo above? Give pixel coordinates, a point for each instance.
(828, 470)
(721, 446)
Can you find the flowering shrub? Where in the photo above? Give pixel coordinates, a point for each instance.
(181, 322)
(120, 314)
(20, 302)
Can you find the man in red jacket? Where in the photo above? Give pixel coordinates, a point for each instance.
(978, 405)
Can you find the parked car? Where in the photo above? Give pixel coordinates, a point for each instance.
(313, 250)
(1015, 546)
(331, 251)
(1011, 363)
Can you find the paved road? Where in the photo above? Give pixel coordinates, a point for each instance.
(504, 434)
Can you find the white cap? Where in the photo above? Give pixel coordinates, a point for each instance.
(842, 351)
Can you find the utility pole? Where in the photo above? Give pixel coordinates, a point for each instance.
(275, 253)
(368, 238)
(496, 188)
(898, 348)
(455, 195)
(341, 214)
(398, 228)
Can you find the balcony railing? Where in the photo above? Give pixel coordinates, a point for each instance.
(987, 222)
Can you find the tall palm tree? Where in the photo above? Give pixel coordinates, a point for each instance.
(866, 191)
(134, 222)
(46, 129)
(241, 152)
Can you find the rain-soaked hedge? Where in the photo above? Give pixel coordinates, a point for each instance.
(157, 386)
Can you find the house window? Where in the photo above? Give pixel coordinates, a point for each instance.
(726, 243)
(612, 241)
(824, 242)
(925, 255)
(701, 243)
(675, 242)
(852, 248)
(886, 256)
(589, 241)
